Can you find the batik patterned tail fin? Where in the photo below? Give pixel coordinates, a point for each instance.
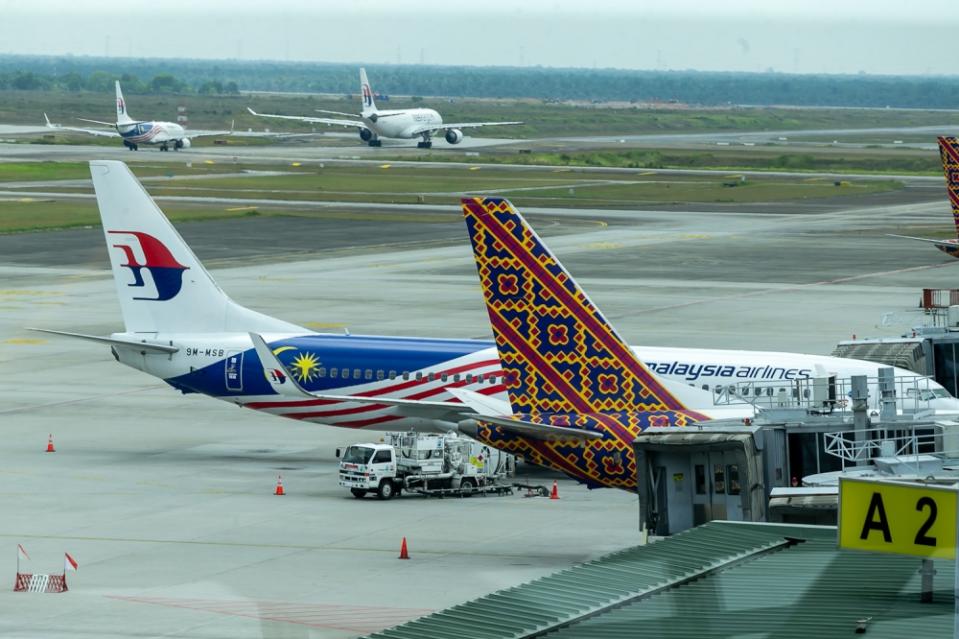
(558, 352)
(949, 151)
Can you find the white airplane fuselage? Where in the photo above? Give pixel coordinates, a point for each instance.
(402, 124)
(225, 366)
(153, 132)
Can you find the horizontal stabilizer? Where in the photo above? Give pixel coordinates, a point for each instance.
(952, 243)
(149, 347)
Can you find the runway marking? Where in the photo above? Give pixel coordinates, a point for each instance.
(27, 341)
(795, 287)
(362, 619)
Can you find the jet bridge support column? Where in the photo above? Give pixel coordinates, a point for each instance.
(859, 395)
(887, 395)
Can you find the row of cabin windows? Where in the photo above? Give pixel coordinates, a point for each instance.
(370, 374)
(768, 391)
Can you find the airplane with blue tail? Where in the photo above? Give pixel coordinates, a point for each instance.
(181, 327)
(133, 133)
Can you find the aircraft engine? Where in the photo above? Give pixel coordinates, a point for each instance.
(454, 136)
(366, 135)
(185, 143)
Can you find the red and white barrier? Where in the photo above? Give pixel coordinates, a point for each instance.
(28, 582)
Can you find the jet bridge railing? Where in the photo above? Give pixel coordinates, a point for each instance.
(909, 444)
(828, 395)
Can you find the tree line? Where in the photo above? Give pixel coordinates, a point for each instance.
(67, 73)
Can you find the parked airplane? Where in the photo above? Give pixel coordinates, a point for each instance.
(133, 133)
(949, 152)
(404, 124)
(181, 327)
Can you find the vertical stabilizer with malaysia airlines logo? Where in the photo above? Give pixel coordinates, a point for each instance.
(122, 116)
(366, 94)
(161, 285)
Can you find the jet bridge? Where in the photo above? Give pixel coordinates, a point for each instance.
(730, 469)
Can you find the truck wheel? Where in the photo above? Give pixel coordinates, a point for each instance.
(385, 491)
(359, 493)
(467, 486)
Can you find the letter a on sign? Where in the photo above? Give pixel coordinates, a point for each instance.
(876, 520)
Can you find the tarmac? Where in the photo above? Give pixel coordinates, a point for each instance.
(166, 500)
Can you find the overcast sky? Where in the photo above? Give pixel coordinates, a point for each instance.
(814, 36)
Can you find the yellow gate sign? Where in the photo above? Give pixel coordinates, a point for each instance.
(898, 517)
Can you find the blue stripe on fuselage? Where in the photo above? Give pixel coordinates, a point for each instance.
(330, 351)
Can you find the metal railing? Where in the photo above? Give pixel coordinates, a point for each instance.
(909, 444)
(826, 395)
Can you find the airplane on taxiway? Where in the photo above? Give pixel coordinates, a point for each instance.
(403, 124)
(181, 327)
(133, 133)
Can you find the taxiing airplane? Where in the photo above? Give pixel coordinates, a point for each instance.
(181, 327)
(133, 133)
(404, 124)
(949, 152)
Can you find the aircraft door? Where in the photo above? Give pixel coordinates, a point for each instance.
(234, 370)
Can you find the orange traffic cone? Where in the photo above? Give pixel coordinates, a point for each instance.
(404, 553)
(50, 448)
(279, 486)
(555, 493)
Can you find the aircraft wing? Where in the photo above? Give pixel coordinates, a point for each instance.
(306, 118)
(208, 134)
(458, 125)
(491, 410)
(106, 133)
(951, 244)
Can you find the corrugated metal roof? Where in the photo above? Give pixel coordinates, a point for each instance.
(723, 579)
(809, 590)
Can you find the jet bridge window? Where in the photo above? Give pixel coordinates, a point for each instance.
(719, 479)
(732, 471)
(700, 472)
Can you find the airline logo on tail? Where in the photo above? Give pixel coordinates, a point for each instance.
(367, 95)
(158, 261)
(949, 151)
(559, 353)
(121, 106)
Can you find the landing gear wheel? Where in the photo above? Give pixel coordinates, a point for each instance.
(467, 487)
(376, 142)
(178, 145)
(424, 145)
(164, 147)
(385, 491)
(359, 493)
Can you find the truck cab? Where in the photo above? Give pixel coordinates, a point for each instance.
(368, 468)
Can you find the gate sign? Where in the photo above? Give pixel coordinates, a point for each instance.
(898, 517)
